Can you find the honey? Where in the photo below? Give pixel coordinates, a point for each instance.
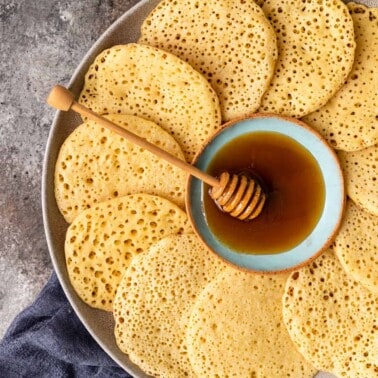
(292, 179)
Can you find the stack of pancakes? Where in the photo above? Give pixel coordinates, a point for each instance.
(179, 310)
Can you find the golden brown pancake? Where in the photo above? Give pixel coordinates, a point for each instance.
(236, 54)
(102, 241)
(153, 303)
(153, 84)
(356, 246)
(332, 319)
(315, 54)
(349, 120)
(236, 329)
(95, 164)
(360, 173)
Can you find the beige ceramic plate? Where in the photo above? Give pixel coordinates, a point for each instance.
(99, 323)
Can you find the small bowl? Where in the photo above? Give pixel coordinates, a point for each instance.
(325, 229)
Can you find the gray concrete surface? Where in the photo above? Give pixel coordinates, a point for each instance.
(41, 43)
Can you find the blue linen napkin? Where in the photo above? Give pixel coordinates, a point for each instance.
(47, 339)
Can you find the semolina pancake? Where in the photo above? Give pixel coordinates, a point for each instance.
(332, 319)
(356, 246)
(349, 120)
(315, 54)
(361, 175)
(96, 164)
(147, 82)
(102, 241)
(153, 303)
(237, 53)
(236, 329)
(260, 3)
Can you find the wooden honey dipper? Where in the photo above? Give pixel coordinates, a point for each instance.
(238, 195)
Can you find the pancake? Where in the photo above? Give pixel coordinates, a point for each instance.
(95, 164)
(153, 302)
(315, 54)
(153, 84)
(236, 329)
(356, 246)
(349, 121)
(332, 319)
(102, 241)
(237, 54)
(260, 3)
(360, 173)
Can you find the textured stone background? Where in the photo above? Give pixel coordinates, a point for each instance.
(41, 42)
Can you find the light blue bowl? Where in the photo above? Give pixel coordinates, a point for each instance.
(323, 233)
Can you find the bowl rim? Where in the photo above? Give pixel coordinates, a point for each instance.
(341, 193)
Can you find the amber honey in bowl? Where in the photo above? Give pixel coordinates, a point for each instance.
(293, 181)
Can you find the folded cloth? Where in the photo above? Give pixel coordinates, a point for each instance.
(47, 339)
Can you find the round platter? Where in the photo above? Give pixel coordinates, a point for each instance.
(99, 323)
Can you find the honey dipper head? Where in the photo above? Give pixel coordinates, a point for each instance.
(239, 195)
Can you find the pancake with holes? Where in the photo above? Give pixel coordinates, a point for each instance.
(153, 303)
(260, 3)
(361, 176)
(356, 246)
(315, 54)
(332, 319)
(147, 82)
(103, 240)
(237, 54)
(349, 121)
(236, 329)
(95, 164)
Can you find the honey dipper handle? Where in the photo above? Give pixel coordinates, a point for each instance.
(62, 99)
